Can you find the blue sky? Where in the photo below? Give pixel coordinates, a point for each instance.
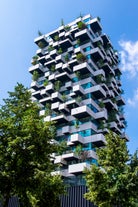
(21, 20)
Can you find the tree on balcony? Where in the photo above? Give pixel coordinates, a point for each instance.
(81, 25)
(113, 182)
(25, 153)
(60, 51)
(35, 60)
(45, 82)
(57, 85)
(80, 58)
(35, 75)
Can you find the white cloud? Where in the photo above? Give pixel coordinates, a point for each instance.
(129, 57)
(134, 101)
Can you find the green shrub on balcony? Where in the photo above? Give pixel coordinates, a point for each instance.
(53, 68)
(41, 44)
(35, 76)
(60, 51)
(64, 97)
(101, 104)
(80, 58)
(35, 60)
(66, 57)
(56, 38)
(50, 48)
(57, 85)
(45, 83)
(48, 110)
(67, 28)
(81, 25)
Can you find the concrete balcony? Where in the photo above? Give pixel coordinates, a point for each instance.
(59, 67)
(66, 130)
(72, 104)
(53, 53)
(63, 76)
(107, 68)
(78, 50)
(63, 108)
(62, 173)
(76, 138)
(83, 68)
(70, 156)
(43, 101)
(97, 139)
(120, 101)
(55, 106)
(97, 91)
(59, 160)
(44, 93)
(68, 85)
(78, 90)
(96, 54)
(83, 35)
(49, 88)
(41, 39)
(66, 68)
(78, 168)
(38, 67)
(56, 96)
(81, 112)
(52, 78)
(65, 43)
(34, 85)
(101, 115)
(95, 25)
(60, 58)
(109, 104)
(60, 119)
(125, 136)
(37, 95)
(114, 127)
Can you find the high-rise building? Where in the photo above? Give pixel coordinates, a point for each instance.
(76, 80)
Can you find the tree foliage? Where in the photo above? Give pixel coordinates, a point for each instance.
(25, 153)
(114, 182)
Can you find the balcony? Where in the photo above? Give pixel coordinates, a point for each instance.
(43, 93)
(50, 88)
(83, 35)
(97, 91)
(59, 67)
(70, 156)
(83, 68)
(60, 119)
(97, 54)
(65, 43)
(37, 95)
(59, 160)
(38, 67)
(78, 90)
(63, 77)
(78, 168)
(55, 106)
(62, 173)
(81, 112)
(125, 136)
(120, 101)
(66, 130)
(45, 100)
(60, 58)
(76, 139)
(63, 108)
(97, 139)
(41, 39)
(66, 68)
(95, 25)
(34, 85)
(56, 96)
(72, 104)
(101, 115)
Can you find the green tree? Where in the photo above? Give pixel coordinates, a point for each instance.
(25, 153)
(113, 182)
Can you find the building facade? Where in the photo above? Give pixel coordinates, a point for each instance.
(76, 80)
